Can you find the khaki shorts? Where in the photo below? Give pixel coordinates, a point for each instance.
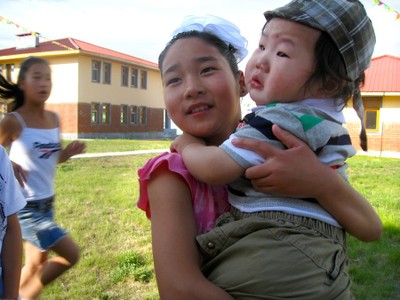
(275, 255)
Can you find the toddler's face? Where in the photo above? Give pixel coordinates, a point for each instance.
(282, 64)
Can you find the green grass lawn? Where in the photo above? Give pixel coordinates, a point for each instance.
(115, 145)
(375, 267)
(96, 201)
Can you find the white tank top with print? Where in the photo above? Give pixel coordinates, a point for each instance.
(37, 151)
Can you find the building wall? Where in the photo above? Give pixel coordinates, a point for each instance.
(390, 124)
(68, 115)
(13, 73)
(65, 74)
(115, 93)
(73, 93)
(387, 138)
(76, 123)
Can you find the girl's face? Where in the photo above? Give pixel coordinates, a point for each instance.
(36, 83)
(280, 67)
(201, 92)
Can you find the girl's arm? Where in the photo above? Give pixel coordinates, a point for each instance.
(298, 172)
(209, 164)
(175, 252)
(10, 130)
(12, 258)
(72, 149)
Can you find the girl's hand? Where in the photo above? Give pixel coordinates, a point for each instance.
(297, 172)
(75, 148)
(20, 174)
(292, 172)
(72, 149)
(184, 140)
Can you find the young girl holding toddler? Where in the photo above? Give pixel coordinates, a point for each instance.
(202, 90)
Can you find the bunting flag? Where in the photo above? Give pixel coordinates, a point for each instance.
(389, 9)
(25, 30)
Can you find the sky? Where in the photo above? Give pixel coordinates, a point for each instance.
(142, 28)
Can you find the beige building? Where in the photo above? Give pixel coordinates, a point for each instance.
(381, 97)
(97, 92)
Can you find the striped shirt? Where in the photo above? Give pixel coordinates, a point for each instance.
(315, 121)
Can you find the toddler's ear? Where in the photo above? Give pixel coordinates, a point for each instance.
(242, 85)
(332, 87)
(327, 90)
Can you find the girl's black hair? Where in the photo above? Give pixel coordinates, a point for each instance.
(9, 90)
(226, 50)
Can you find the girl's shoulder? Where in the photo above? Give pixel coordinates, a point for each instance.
(45, 120)
(53, 119)
(172, 161)
(10, 129)
(10, 121)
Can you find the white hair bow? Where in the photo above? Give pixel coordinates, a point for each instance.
(223, 29)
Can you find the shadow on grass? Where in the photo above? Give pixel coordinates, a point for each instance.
(375, 267)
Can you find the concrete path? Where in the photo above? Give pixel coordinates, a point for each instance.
(123, 153)
(386, 154)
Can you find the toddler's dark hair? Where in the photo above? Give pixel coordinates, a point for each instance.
(330, 71)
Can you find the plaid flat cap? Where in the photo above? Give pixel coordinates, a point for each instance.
(348, 25)
(345, 21)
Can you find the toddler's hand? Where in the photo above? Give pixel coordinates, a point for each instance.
(184, 140)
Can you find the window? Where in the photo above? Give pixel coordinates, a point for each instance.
(134, 78)
(96, 67)
(123, 113)
(124, 76)
(105, 113)
(95, 108)
(9, 69)
(107, 73)
(134, 115)
(143, 79)
(371, 114)
(167, 120)
(142, 115)
(3, 110)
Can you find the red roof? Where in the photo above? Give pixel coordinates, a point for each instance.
(383, 75)
(65, 43)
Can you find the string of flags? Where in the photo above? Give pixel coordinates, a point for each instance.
(388, 8)
(25, 30)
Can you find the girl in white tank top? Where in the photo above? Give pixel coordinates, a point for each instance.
(33, 135)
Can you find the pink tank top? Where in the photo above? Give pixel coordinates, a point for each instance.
(209, 202)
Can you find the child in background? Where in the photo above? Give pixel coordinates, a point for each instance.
(310, 60)
(11, 201)
(33, 134)
(202, 90)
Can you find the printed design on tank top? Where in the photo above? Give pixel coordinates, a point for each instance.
(47, 150)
